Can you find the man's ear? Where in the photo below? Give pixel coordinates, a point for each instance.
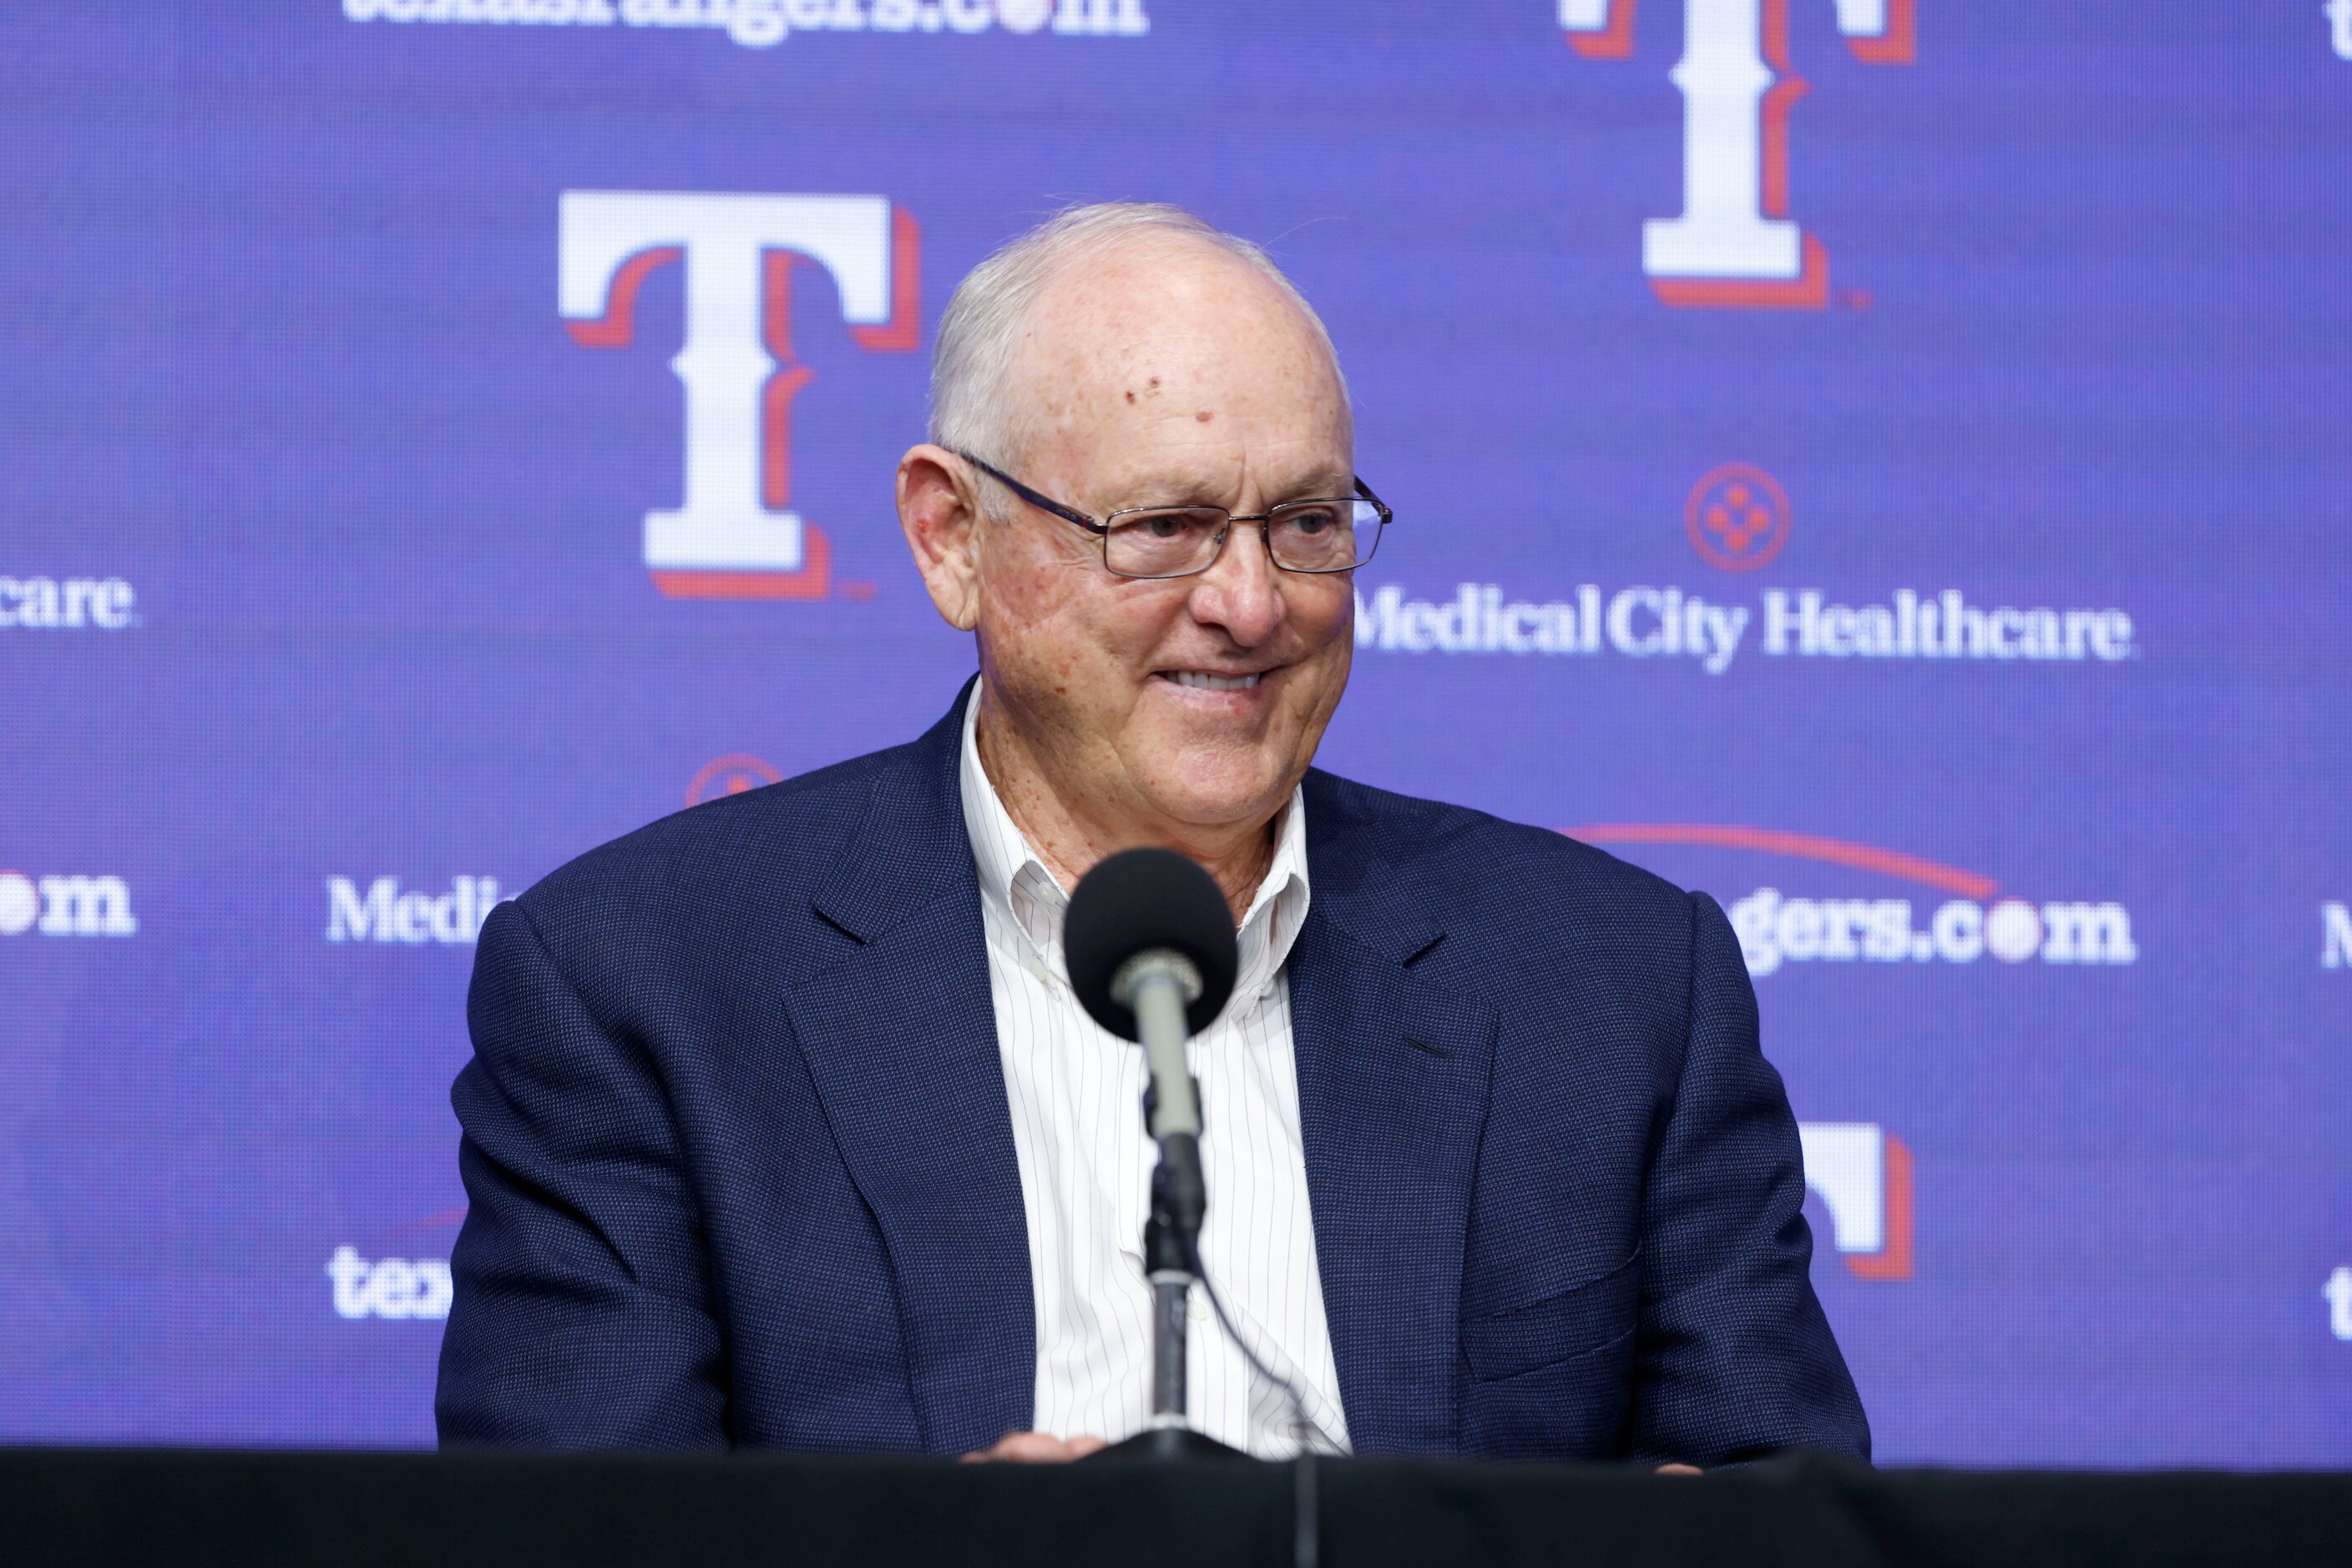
(940, 515)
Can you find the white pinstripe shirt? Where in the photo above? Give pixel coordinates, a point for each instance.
(1076, 1093)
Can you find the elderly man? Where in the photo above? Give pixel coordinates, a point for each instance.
(784, 1129)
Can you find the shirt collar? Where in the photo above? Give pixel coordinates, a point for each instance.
(1016, 887)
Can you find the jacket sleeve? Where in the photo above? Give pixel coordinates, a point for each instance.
(1735, 1358)
(582, 1317)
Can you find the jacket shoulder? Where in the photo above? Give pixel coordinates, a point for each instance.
(1470, 863)
(1504, 887)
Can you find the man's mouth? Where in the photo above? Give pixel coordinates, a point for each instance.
(1205, 680)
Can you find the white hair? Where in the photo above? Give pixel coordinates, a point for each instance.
(971, 364)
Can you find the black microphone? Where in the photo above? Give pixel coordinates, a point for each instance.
(1140, 901)
(1148, 943)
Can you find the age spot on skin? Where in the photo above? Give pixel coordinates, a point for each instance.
(1130, 397)
(1204, 416)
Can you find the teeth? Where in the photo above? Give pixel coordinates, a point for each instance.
(1200, 681)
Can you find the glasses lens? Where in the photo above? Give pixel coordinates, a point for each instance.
(1165, 542)
(1324, 535)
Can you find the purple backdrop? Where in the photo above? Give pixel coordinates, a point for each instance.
(1890, 470)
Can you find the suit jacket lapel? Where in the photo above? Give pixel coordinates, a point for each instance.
(900, 1039)
(1392, 1082)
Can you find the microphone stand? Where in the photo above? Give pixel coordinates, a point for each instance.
(1158, 985)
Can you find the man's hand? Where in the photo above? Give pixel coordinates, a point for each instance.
(1037, 1448)
(1680, 1470)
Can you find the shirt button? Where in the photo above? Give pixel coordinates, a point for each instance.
(1200, 1305)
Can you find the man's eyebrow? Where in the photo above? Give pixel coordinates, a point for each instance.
(1164, 490)
(1319, 484)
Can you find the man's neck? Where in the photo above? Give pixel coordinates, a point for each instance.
(1070, 840)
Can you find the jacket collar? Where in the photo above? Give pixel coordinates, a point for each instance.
(1395, 1071)
(911, 850)
(899, 1036)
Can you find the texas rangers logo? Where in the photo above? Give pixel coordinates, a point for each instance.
(1861, 1172)
(734, 535)
(1734, 243)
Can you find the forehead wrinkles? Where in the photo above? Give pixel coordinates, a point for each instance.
(1151, 339)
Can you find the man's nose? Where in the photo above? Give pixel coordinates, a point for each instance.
(1243, 591)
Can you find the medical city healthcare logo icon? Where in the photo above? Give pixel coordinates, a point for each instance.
(735, 535)
(65, 906)
(1737, 517)
(1735, 244)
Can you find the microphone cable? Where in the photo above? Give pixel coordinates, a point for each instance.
(1306, 1514)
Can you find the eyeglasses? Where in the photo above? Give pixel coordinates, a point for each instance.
(1335, 534)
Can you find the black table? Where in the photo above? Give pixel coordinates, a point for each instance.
(352, 1511)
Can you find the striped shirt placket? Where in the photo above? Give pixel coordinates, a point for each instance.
(1076, 1094)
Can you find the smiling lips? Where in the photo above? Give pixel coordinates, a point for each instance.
(1203, 680)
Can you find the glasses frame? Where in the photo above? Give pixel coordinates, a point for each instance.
(1101, 528)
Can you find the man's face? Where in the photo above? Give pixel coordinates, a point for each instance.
(1167, 374)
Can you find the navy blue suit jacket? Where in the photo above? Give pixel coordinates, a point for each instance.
(742, 1162)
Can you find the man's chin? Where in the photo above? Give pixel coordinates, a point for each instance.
(1214, 771)
(1209, 798)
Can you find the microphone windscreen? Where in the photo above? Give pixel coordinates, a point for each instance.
(1136, 900)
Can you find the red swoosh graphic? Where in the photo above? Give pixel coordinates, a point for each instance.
(1803, 846)
(432, 1222)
